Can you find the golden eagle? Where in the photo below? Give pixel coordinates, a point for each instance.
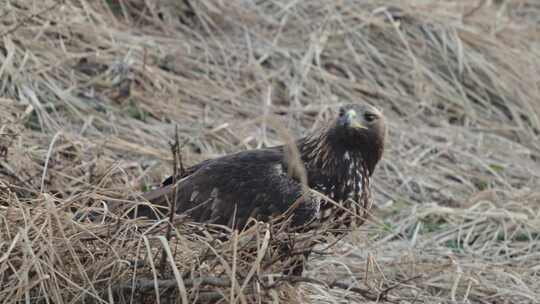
(338, 159)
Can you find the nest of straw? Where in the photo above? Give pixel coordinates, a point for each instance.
(91, 92)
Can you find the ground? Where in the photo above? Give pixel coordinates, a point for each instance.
(91, 93)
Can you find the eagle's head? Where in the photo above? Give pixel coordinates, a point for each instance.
(359, 128)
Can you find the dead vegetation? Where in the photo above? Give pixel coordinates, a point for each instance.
(91, 92)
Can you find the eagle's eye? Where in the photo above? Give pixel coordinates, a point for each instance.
(370, 117)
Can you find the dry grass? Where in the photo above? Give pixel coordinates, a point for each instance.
(91, 91)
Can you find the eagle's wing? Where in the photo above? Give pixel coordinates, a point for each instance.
(160, 196)
(187, 172)
(231, 189)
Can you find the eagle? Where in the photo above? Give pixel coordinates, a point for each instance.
(338, 160)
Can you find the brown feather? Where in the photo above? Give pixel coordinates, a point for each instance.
(338, 160)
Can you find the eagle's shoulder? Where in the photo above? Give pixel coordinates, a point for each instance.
(264, 157)
(257, 168)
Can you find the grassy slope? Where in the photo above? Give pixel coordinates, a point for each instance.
(91, 91)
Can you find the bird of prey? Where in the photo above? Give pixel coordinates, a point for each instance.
(338, 161)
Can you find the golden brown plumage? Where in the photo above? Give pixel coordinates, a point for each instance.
(338, 160)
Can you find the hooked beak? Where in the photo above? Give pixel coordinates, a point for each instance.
(350, 119)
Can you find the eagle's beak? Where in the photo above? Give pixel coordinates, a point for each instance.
(350, 119)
